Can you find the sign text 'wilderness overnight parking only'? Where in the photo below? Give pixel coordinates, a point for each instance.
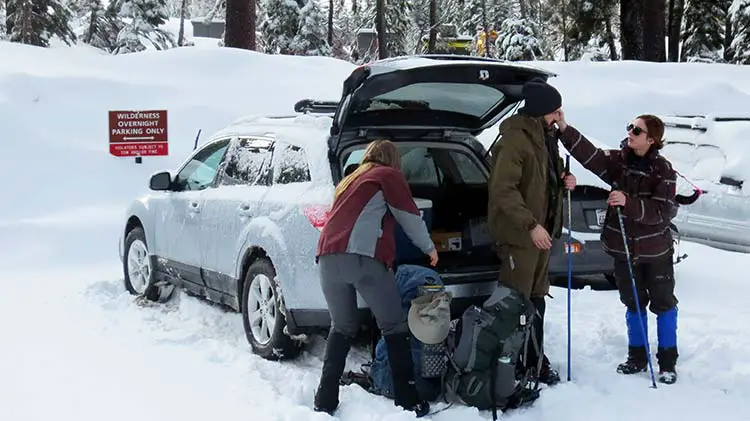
(138, 133)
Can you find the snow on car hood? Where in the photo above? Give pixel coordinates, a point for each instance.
(733, 138)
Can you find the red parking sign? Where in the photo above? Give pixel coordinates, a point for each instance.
(138, 133)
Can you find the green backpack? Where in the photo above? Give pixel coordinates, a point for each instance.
(488, 363)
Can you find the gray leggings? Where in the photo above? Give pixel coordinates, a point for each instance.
(343, 275)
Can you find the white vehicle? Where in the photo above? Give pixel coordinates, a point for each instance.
(238, 223)
(713, 152)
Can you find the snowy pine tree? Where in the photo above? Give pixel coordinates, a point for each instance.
(740, 48)
(589, 30)
(36, 22)
(345, 25)
(471, 16)
(398, 25)
(100, 25)
(280, 26)
(703, 31)
(516, 41)
(311, 38)
(145, 18)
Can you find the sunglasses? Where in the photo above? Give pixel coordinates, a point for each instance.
(635, 129)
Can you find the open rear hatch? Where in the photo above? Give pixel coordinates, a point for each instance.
(434, 92)
(433, 107)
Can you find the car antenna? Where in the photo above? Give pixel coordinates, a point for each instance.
(197, 136)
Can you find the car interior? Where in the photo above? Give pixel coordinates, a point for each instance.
(456, 184)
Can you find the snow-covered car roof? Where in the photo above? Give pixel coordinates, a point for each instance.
(309, 132)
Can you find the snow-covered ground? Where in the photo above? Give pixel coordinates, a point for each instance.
(76, 346)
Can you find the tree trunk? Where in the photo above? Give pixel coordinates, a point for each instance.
(485, 25)
(433, 27)
(610, 40)
(181, 33)
(238, 31)
(728, 35)
(380, 28)
(674, 21)
(654, 34)
(253, 24)
(631, 29)
(330, 23)
(564, 14)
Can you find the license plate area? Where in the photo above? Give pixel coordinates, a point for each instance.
(601, 214)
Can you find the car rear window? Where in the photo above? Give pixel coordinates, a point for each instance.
(430, 166)
(464, 98)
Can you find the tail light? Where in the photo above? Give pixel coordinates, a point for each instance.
(317, 215)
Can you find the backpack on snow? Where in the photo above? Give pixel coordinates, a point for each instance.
(429, 360)
(488, 362)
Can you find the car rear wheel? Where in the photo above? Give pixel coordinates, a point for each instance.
(262, 314)
(139, 278)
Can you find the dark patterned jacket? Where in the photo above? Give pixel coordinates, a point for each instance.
(649, 182)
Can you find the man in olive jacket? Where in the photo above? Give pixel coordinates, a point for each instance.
(525, 200)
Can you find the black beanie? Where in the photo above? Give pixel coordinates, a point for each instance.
(541, 98)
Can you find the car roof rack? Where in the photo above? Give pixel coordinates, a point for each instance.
(315, 106)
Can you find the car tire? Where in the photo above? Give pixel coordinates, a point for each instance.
(136, 265)
(262, 315)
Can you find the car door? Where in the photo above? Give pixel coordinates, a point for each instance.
(181, 216)
(242, 182)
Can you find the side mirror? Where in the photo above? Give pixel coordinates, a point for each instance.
(161, 181)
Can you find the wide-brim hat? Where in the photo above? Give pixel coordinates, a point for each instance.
(429, 317)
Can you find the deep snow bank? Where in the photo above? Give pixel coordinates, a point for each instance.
(53, 121)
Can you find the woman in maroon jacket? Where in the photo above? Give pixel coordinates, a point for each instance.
(356, 251)
(644, 185)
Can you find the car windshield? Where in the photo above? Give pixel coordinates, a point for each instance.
(464, 98)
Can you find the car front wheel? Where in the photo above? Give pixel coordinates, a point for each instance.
(139, 278)
(262, 316)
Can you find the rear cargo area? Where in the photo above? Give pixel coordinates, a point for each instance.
(456, 216)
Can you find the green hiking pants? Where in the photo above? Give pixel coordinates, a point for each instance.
(524, 269)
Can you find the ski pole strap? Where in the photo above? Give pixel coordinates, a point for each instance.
(567, 165)
(695, 188)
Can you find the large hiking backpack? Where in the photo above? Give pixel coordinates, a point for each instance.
(488, 365)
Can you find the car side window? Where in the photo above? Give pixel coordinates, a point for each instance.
(419, 167)
(200, 172)
(293, 166)
(468, 168)
(248, 162)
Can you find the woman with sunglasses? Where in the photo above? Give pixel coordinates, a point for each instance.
(644, 185)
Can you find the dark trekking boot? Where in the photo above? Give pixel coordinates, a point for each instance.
(667, 365)
(666, 324)
(547, 374)
(334, 362)
(636, 362)
(402, 369)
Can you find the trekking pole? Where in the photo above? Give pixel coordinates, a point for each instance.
(570, 257)
(635, 291)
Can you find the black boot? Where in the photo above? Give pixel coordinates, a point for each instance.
(402, 369)
(334, 362)
(547, 374)
(667, 365)
(636, 362)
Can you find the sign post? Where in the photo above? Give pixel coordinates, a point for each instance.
(138, 133)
